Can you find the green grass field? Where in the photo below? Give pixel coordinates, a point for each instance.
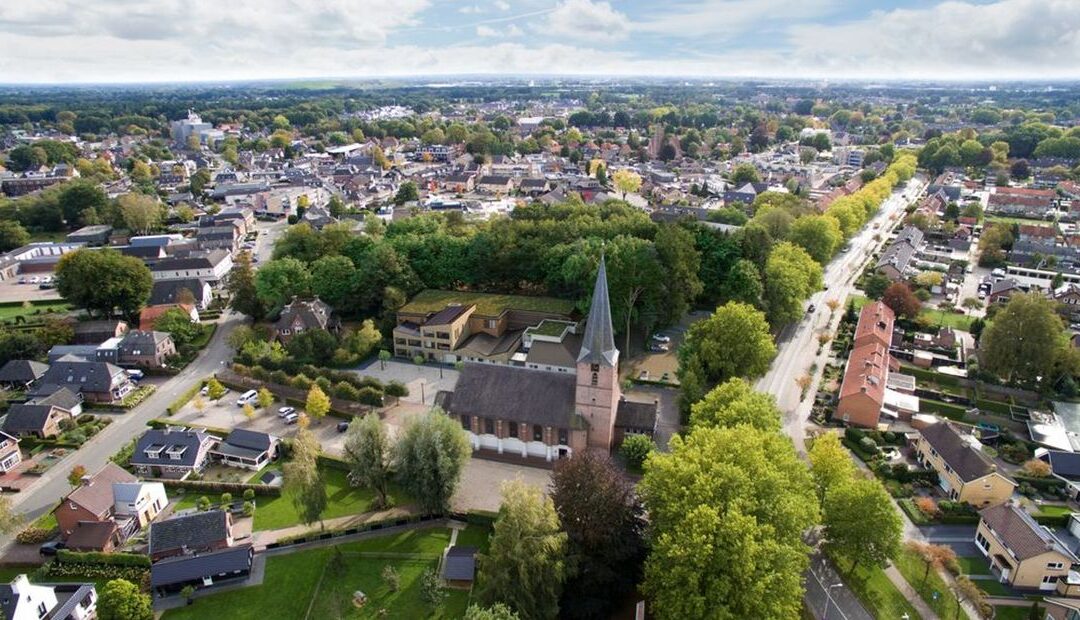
(913, 569)
(876, 592)
(292, 583)
(273, 513)
(432, 300)
(974, 566)
(1009, 612)
(12, 311)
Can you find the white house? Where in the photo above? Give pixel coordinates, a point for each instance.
(22, 600)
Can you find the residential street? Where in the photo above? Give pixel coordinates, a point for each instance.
(49, 488)
(797, 344)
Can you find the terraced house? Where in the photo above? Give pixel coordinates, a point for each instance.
(965, 473)
(1023, 553)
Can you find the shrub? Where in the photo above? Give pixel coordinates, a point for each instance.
(249, 508)
(34, 535)
(203, 503)
(370, 396)
(249, 494)
(635, 449)
(226, 498)
(396, 389)
(346, 391)
(1036, 468)
(391, 578)
(868, 445)
(928, 507)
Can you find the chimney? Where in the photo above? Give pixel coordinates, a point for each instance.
(86, 481)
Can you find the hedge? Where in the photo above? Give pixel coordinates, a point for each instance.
(331, 462)
(66, 556)
(139, 575)
(949, 411)
(208, 486)
(1048, 483)
(316, 535)
(993, 406)
(1052, 520)
(184, 398)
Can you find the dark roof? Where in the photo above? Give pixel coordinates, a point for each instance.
(26, 417)
(493, 180)
(637, 416)
(598, 343)
(460, 564)
(1018, 531)
(447, 315)
(252, 440)
(968, 462)
(85, 376)
(140, 339)
(194, 568)
(166, 291)
(22, 371)
(1064, 464)
(96, 494)
(313, 313)
(509, 393)
(91, 534)
(196, 531)
(185, 440)
(57, 396)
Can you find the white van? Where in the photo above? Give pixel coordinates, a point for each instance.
(247, 397)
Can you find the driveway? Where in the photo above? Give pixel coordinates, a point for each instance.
(423, 381)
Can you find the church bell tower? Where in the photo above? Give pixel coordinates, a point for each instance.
(597, 394)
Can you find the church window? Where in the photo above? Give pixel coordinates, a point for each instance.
(513, 430)
(595, 378)
(466, 422)
(595, 367)
(489, 426)
(564, 436)
(538, 432)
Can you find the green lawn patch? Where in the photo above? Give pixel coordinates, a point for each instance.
(913, 569)
(876, 592)
(858, 300)
(490, 304)
(948, 319)
(292, 583)
(974, 566)
(993, 587)
(12, 310)
(955, 412)
(1009, 612)
(1051, 510)
(475, 536)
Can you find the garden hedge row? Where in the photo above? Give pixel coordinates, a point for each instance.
(66, 556)
(184, 398)
(208, 486)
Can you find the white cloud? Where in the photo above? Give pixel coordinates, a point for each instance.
(724, 18)
(470, 9)
(507, 32)
(586, 20)
(502, 5)
(486, 31)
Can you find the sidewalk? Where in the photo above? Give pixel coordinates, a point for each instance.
(262, 538)
(909, 593)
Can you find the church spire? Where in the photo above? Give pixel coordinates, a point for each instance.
(598, 344)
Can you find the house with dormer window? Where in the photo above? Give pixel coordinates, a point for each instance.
(172, 453)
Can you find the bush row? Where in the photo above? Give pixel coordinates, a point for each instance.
(207, 486)
(184, 398)
(96, 572)
(66, 556)
(366, 527)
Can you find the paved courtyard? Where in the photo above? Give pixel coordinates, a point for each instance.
(423, 381)
(481, 483)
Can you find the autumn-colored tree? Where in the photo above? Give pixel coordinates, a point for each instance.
(76, 474)
(1037, 468)
(265, 398)
(899, 298)
(933, 556)
(249, 411)
(318, 403)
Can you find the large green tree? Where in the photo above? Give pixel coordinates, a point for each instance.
(430, 455)
(861, 523)
(142, 214)
(121, 600)
(830, 463)
(604, 521)
(12, 235)
(103, 281)
(525, 565)
(819, 235)
(727, 511)
(743, 283)
(791, 276)
(369, 453)
(241, 286)
(333, 279)
(304, 483)
(281, 279)
(735, 402)
(733, 342)
(177, 323)
(1025, 340)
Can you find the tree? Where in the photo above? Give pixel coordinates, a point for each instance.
(334, 280)
(249, 411)
(830, 463)
(188, 592)
(498, 611)
(318, 403)
(25, 157)
(603, 521)
(369, 453)
(1020, 170)
(177, 323)
(199, 404)
(525, 565)
(12, 235)
(431, 589)
(265, 398)
(121, 600)
(281, 279)
(406, 193)
(384, 356)
(140, 213)
(303, 481)
(743, 283)
(430, 455)
(861, 523)
(735, 402)
(76, 474)
(899, 298)
(9, 519)
(1024, 341)
(933, 556)
(214, 389)
(733, 342)
(745, 173)
(311, 345)
(1036, 468)
(626, 181)
(635, 449)
(791, 276)
(240, 283)
(967, 590)
(819, 235)
(727, 511)
(103, 281)
(929, 279)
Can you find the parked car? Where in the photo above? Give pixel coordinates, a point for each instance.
(890, 453)
(292, 418)
(247, 397)
(661, 338)
(659, 348)
(46, 279)
(135, 375)
(342, 427)
(22, 280)
(284, 411)
(52, 548)
(35, 280)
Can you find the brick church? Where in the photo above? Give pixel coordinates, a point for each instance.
(536, 413)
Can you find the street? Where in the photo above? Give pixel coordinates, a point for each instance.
(797, 344)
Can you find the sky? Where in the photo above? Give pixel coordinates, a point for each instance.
(48, 41)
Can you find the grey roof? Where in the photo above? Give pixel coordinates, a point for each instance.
(968, 462)
(22, 371)
(598, 343)
(57, 396)
(174, 571)
(1014, 527)
(26, 418)
(460, 564)
(636, 416)
(139, 338)
(166, 291)
(85, 376)
(189, 441)
(509, 393)
(195, 531)
(313, 313)
(563, 354)
(1064, 464)
(446, 316)
(96, 495)
(72, 351)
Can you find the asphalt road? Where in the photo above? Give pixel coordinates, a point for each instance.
(797, 345)
(95, 453)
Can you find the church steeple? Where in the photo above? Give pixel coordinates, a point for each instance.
(598, 343)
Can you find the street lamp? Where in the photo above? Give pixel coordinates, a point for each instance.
(828, 599)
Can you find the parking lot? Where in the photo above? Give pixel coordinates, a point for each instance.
(11, 290)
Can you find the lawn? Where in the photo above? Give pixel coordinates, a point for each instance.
(993, 587)
(1052, 510)
(491, 304)
(11, 311)
(292, 582)
(474, 536)
(1008, 612)
(974, 566)
(273, 513)
(948, 319)
(876, 592)
(913, 569)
